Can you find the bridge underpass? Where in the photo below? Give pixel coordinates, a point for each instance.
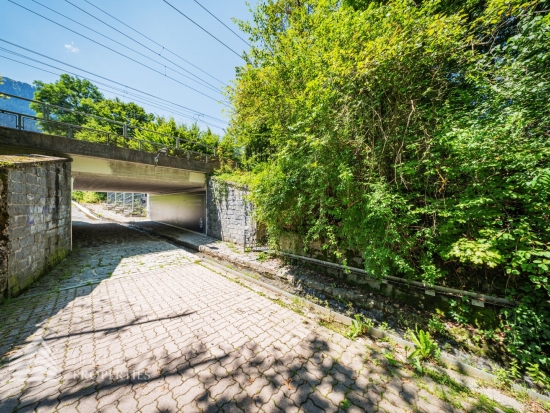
(176, 186)
(119, 157)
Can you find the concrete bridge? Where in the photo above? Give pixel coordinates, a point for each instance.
(168, 180)
(36, 186)
(103, 160)
(99, 167)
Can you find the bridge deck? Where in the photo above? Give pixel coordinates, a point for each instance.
(110, 168)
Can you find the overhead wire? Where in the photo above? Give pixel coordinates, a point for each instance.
(144, 100)
(153, 41)
(121, 54)
(202, 28)
(102, 77)
(99, 76)
(207, 85)
(120, 94)
(226, 26)
(142, 45)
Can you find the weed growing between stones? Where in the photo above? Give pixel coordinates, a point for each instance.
(359, 326)
(426, 347)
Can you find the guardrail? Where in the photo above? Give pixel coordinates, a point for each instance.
(119, 134)
(127, 203)
(479, 298)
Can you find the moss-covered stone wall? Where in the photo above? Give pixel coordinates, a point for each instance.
(3, 231)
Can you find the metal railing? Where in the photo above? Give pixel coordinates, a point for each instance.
(120, 134)
(127, 203)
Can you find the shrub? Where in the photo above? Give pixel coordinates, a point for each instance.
(413, 132)
(88, 197)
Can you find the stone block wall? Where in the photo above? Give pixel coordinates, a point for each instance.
(230, 214)
(35, 218)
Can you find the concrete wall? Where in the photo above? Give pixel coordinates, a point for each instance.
(230, 214)
(35, 218)
(182, 210)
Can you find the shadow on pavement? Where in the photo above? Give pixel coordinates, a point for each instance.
(238, 380)
(184, 339)
(98, 250)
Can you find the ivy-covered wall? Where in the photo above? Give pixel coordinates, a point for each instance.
(230, 213)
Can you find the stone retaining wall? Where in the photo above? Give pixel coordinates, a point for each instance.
(35, 218)
(230, 214)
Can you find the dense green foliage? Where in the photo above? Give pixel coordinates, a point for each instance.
(83, 96)
(416, 133)
(88, 197)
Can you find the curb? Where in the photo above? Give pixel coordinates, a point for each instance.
(171, 240)
(85, 210)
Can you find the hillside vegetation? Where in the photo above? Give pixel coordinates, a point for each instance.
(22, 89)
(416, 133)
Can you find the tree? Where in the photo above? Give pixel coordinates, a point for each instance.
(119, 113)
(83, 96)
(70, 93)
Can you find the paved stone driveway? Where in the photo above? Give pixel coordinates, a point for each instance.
(181, 338)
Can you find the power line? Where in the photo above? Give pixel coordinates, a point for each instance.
(202, 28)
(210, 86)
(144, 100)
(99, 76)
(171, 110)
(121, 54)
(124, 93)
(151, 40)
(229, 28)
(142, 45)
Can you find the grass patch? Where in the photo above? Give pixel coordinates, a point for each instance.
(456, 393)
(333, 325)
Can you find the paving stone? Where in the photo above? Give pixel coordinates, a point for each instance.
(87, 404)
(183, 338)
(8, 405)
(108, 409)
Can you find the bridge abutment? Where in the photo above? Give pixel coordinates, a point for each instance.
(35, 218)
(230, 213)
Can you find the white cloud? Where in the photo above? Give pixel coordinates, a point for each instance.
(72, 48)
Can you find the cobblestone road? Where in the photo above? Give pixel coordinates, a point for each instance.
(154, 331)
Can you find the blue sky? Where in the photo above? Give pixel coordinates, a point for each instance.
(155, 19)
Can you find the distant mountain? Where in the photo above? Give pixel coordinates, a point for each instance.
(24, 90)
